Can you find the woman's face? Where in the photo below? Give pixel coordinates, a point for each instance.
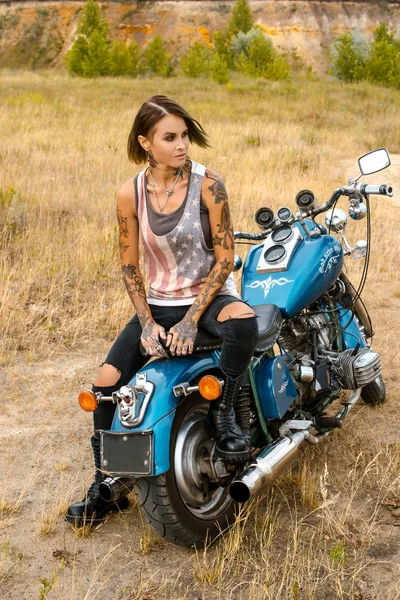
(168, 142)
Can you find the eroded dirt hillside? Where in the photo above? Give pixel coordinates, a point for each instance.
(37, 34)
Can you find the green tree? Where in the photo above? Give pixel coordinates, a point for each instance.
(155, 59)
(90, 53)
(241, 18)
(348, 57)
(97, 61)
(91, 20)
(196, 62)
(77, 54)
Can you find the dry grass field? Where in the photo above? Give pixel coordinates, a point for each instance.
(328, 529)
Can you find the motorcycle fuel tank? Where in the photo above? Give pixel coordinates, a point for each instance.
(314, 266)
(275, 387)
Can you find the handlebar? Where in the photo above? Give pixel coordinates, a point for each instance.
(360, 189)
(250, 236)
(350, 190)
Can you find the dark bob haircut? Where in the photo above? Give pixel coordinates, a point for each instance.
(152, 111)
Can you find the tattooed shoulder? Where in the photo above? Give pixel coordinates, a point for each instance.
(217, 187)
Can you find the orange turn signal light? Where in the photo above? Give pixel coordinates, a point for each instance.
(210, 387)
(88, 401)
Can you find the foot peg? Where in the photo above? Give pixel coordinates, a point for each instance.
(325, 422)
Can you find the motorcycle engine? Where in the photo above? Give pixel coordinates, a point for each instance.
(295, 333)
(356, 371)
(312, 379)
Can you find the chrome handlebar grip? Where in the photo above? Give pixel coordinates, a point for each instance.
(380, 190)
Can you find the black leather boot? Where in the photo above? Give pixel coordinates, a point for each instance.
(93, 509)
(231, 444)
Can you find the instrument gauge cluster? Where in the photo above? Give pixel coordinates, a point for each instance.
(279, 247)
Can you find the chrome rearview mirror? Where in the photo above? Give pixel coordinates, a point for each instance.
(374, 161)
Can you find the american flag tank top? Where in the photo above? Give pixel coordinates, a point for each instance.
(178, 262)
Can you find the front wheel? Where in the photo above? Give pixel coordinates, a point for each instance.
(374, 392)
(184, 505)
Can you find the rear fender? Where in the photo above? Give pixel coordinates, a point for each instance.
(164, 374)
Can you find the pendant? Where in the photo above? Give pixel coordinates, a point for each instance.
(168, 192)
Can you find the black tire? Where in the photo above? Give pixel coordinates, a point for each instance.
(162, 501)
(374, 392)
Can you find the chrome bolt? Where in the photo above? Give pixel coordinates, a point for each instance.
(105, 462)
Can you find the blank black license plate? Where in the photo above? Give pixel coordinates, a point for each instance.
(128, 453)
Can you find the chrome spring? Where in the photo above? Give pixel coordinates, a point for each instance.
(242, 408)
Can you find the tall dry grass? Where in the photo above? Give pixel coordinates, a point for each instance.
(63, 160)
(322, 532)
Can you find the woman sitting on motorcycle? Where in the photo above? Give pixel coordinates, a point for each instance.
(177, 211)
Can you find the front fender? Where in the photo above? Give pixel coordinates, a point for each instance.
(165, 374)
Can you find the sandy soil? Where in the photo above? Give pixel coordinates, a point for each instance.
(46, 461)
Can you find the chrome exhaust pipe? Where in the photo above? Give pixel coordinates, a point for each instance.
(113, 489)
(269, 464)
(272, 460)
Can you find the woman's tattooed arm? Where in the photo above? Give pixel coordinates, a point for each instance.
(129, 250)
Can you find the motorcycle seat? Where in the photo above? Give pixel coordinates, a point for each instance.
(269, 321)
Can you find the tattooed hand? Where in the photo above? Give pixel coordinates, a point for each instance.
(181, 337)
(150, 338)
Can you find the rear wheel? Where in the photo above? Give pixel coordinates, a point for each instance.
(187, 504)
(374, 392)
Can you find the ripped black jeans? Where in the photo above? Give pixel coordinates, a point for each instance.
(239, 341)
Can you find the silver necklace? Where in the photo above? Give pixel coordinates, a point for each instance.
(166, 192)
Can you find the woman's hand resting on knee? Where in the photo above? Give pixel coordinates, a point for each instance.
(152, 337)
(181, 337)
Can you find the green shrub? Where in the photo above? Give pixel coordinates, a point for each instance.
(353, 59)
(348, 55)
(196, 62)
(240, 42)
(219, 69)
(222, 46)
(123, 60)
(383, 63)
(241, 18)
(256, 56)
(156, 60)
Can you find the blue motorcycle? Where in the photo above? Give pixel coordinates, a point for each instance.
(314, 342)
